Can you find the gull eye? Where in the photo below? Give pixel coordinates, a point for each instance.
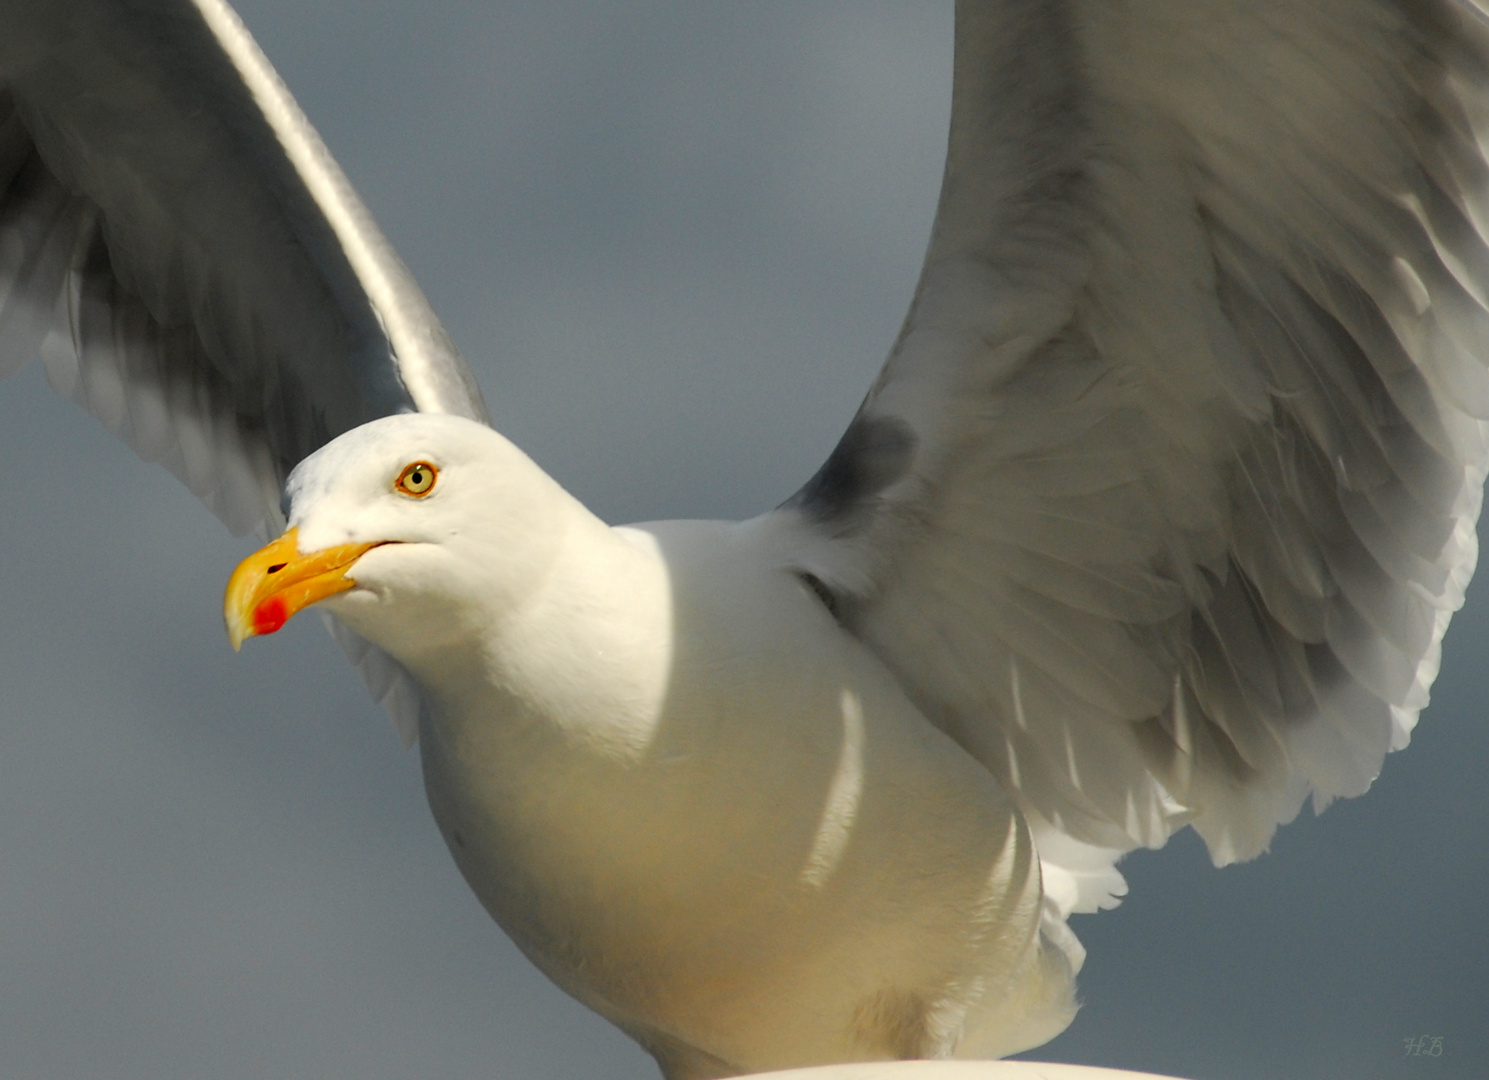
(416, 479)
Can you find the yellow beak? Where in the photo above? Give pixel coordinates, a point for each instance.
(276, 581)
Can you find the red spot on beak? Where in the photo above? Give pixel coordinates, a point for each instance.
(278, 580)
(270, 615)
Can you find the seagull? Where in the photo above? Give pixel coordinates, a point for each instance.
(1155, 517)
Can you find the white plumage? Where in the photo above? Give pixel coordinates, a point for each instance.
(1307, 661)
(692, 799)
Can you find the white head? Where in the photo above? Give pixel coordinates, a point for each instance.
(411, 528)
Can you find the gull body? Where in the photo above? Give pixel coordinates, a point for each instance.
(694, 800)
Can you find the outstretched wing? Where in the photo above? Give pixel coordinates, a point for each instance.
(194, 267)
(1167, 491)
(213, 289)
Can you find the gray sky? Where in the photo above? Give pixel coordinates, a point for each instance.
(675, 241)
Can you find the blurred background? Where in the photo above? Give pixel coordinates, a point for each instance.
(675, 240)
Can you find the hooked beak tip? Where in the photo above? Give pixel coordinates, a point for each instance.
(273, 583)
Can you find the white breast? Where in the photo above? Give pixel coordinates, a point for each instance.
(710, 814)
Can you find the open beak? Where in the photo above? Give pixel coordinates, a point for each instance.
(276, 581)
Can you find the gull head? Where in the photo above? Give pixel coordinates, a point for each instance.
(413, 529)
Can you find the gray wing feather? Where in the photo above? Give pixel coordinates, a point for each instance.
(193, 265)
(170, 217)
(1167, 491)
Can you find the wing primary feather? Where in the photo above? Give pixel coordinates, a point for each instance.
(1195, 390)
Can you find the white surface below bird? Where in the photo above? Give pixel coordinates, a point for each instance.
(694, 800)
(961, 1070)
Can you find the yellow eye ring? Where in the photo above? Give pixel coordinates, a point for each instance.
(416, 479)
